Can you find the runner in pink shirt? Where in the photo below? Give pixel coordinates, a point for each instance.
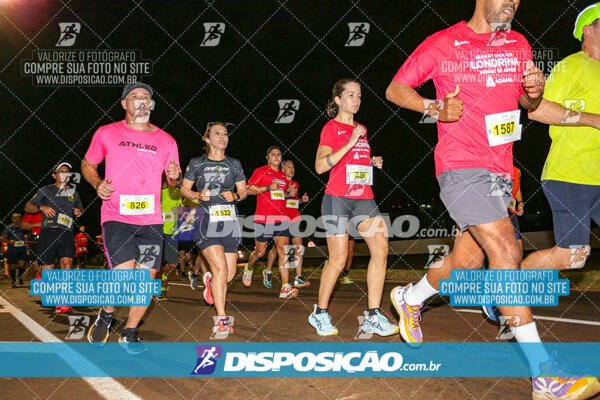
(482, 71)
(136, 155)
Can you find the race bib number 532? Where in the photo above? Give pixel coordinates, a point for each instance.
(222, 212)
(136, 205)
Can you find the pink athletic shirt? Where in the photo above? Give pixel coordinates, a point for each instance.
(135, 161)
(489, 70)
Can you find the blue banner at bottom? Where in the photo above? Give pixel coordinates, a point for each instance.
(322, 359)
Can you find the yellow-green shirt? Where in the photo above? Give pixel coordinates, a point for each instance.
(170, 199)
(575, 151)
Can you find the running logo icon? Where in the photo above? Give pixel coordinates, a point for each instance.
(287, 110)
(358, 33)
(73, 179)
(505, 333)
(431, 111)
(501, 185)
(148, 254)
(499, 34)
(77, 326)
(212, 34)
(574, 108)
(361, 334)
(68, 33)
(292, 255)
(436, 251)
(221, 335)
(207, 359)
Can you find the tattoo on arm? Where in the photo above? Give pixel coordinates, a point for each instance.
(328, 159)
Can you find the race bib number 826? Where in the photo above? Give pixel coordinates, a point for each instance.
(136, 205)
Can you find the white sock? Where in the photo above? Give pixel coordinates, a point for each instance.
(417, 294)
(531, 345)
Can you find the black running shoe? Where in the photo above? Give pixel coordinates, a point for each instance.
(131, 342)
(100, 331)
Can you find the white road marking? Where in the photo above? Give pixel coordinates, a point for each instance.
(108, 388)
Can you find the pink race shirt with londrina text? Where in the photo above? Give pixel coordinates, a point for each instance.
(489, 71)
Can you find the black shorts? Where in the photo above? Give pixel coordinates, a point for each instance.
(33, 250)
(267, 232)
(187, 247)
(514, 218)
(55, 243)
(170, 250)
(294, 230)
(573, 207)
(342, 216)
(125, 242)
(13, 257)
(222, 233)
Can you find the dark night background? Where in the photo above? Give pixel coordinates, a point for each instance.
(270, 50)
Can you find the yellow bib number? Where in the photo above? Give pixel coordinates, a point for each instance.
(136, 204)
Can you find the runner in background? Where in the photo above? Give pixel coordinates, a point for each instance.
(33, 222)
(60, 203)
(170, 200)
(345, 279)
(199, 269)
(81, 247)
(270, 186)
(296, 253)
(4, 260)
(16, 253)
(100, 244)
(191, 263)
(516, 208)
